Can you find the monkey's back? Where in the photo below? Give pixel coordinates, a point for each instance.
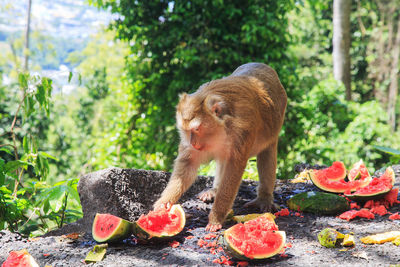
(270, 80)
(254, 99)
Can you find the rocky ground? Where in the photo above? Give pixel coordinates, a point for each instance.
(57, 249)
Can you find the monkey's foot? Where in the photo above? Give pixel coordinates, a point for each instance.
(213, 227)
(207, 195)
(262, 205)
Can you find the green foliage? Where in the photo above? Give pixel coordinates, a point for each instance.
(27, 203)
(177, 46)
(394, 153)
(334, 129)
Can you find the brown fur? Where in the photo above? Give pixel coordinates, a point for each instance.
(229, 120)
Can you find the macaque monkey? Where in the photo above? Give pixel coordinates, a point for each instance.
(229, 120)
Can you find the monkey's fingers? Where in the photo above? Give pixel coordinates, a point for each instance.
(207, 195)
(213, 227)
(159, 206)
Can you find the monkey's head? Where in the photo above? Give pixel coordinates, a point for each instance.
(200, 119)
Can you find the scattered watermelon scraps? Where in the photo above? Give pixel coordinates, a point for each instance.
(362, 213)
(395, 216)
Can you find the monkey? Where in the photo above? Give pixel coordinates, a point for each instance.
(229, 120)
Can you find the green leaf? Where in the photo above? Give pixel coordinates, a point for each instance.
(6, 150)
(25, 144)
(46, 206)
(69, 76)
(73, 194)
(56, 197)
(14, 165)
(29, 105)
(41, 95)
(23, 81)
(47, 155)
(388, 150)
(2, 178)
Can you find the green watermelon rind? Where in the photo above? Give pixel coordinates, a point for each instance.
(366, 197)
(235, 253)
(143, 234)
(373, 196)
(318, 203)
(123, 230)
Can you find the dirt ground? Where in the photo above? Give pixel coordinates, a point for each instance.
(304, 248)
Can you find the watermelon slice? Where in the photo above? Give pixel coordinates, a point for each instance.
(110, 228)
(255, 239)
(358, 172)
(161, 223)
(335, 172)
(20, 258)
(332, 179)
(376, 189)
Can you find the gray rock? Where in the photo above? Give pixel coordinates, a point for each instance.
(126, 193)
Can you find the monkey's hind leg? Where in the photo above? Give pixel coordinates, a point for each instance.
(266, 166)
(208, 195)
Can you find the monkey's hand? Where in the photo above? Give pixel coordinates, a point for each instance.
(207, 195)
(160, 205)
(263, 205)
(211, 227)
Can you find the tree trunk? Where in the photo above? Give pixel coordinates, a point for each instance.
(341, 43)
(394, 84)
(27, 31)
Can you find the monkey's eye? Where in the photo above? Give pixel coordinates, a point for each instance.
(196, 130)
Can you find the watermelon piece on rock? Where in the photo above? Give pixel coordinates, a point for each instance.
(161, 223)
(110, 228)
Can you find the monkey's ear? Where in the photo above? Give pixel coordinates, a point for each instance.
(216, 105)
(182, 96)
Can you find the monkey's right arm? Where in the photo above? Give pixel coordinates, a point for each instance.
(183, 176)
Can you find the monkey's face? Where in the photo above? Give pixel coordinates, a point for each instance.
(195, 123)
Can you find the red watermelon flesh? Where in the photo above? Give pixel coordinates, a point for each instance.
(163, 222)
(391, 197)
(377, 187)
(257, 238)
(388, 200)
(20, 258)
(351, 214)
(335, 172)
(335, 186)
(358, 172)
(380, 210)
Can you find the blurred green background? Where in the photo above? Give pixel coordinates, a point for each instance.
(112, 101)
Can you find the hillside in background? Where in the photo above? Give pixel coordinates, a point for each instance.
(57, 28)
